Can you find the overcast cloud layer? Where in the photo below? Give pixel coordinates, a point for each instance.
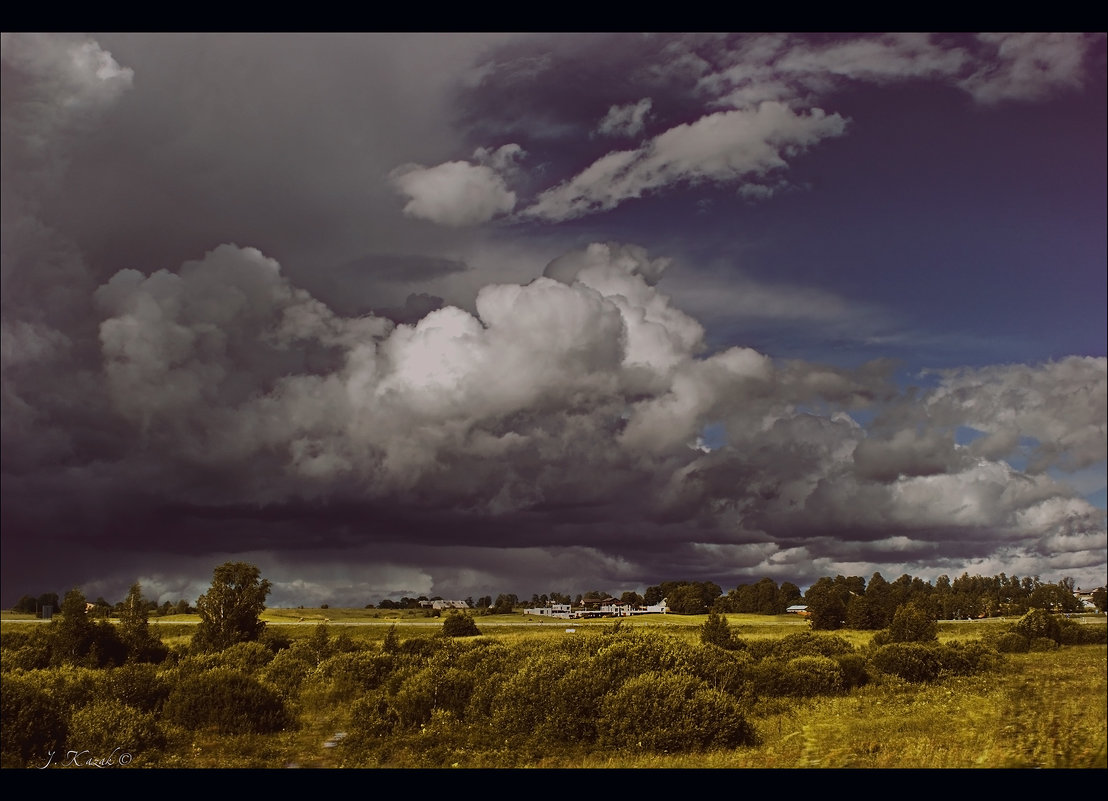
(460, 315)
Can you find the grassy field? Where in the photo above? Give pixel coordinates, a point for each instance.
(1042, 709)
(1046, 710)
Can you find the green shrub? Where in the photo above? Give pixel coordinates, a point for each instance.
(920, 662)
(72, 687)
(102, 727)
(716, 631)
(854, 671)
(1012, 643)
(372, 717)
(911, 623)
(32, 722)
(1073, 633)
(226, 701)
(910, 661)
(812, 675)
(1043, 644)
(456, 625)
(245, 657)
(138, 686)
(35, 655)
(274, 640)
(360, 671)
(431, 689)
(966, 658)
(521, 703)
(1038, 623)
(286, 672)
(667, 712)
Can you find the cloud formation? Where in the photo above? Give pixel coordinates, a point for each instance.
(206, 355)
(771, 89)
(627, 120)
(723, 147)
(458, 193)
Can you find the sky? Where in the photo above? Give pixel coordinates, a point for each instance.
(468, 314)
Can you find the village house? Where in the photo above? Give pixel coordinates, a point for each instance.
(597, 607)
(442, 604)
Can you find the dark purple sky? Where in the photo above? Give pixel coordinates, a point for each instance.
(467, 314)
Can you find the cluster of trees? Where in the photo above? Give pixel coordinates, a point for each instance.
(229, 614)
(684, 597)
(30, 605)
(851, 602)
(764, 598)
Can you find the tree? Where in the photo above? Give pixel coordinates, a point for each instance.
(505, 604)
(911, 623)
(27, 605)
(134, 629)
(632, 598)
(827, 604)
(73, 632)
(133, 617)
(716, 631)
(230, 610)
(1100, 598)
(459, 625)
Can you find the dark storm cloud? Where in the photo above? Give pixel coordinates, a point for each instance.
(209, 352)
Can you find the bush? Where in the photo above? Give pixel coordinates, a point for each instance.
(716, 631)
(347, 676)
(246, 657)
(909, 660)
(431, 689)
(965, 658)
(667, 712)
(30, 652)
(286, 672)
(105, 726)
(1012, 643)
(372, 717)
(812, 675)
(32, 722)
(274, 640)
(459, 626)
(137, 686)
(854, 671)
(1043, 644)
(1038, 623)
(1073, 633)
(226, 701)
(910, 623)
(921, 662)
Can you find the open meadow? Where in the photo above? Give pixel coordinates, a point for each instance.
(374, 688)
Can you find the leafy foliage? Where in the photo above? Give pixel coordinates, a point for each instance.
(910, 623)
(32, 722)
(672, 712)
(1038, 623)
(230, 610)
(226, 701)
(456, 625)
(103, 726)
(716, 631)
(134, 629)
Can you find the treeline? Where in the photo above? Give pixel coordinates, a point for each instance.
(30, 605)
(851, 602)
